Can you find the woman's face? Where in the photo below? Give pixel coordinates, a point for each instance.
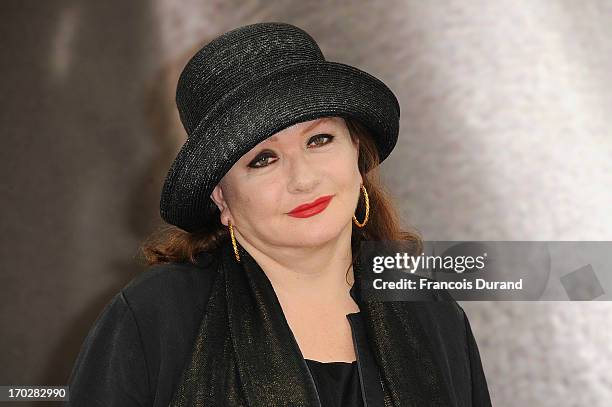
(295, 166)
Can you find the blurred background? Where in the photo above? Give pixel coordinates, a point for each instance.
(505, 135)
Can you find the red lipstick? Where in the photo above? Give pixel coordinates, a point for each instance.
(312, 208)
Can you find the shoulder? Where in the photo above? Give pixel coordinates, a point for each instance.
(171, 291)
(137, 348)
(437, 301)
(172, 278)
(439, 312)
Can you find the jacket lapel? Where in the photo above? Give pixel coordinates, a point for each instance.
(411, 373)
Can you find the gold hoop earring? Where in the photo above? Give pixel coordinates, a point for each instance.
(367, 209)
(231, 229)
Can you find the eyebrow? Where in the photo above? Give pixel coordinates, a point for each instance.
(306, 130)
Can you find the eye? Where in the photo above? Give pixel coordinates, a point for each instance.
(318, 137)
(261, 159)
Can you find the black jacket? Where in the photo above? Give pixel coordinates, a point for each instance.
(138, 347)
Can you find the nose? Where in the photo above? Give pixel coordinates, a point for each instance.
(302, 173)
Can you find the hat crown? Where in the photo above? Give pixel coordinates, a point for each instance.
(238, 56)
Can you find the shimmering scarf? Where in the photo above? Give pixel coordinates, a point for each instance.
(246, 355)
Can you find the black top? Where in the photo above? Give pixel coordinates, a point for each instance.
(337, 383)
(137, 349)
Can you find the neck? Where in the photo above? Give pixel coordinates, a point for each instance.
(321, 274)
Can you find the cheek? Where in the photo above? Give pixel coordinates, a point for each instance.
(258, 199)
(342, 170)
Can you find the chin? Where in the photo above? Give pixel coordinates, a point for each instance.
(311, 235)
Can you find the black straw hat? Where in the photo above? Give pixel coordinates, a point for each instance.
(248, 84)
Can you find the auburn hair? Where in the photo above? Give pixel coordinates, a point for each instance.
(172, 244)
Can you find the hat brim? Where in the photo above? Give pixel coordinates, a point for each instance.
(252, 113)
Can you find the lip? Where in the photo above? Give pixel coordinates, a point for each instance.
(311, 208)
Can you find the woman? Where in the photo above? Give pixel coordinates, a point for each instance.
(253, 295)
